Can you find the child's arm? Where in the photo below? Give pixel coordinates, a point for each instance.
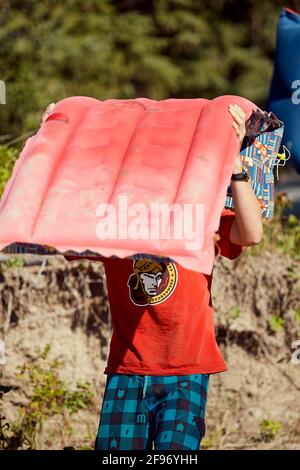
(247, 227)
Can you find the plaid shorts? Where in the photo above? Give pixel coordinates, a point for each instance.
(153, 412)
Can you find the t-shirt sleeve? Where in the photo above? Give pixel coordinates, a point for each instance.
(224, 246)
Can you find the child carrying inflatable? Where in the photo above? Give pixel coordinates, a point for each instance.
(163, 348)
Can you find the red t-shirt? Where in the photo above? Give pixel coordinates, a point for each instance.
(162, 315)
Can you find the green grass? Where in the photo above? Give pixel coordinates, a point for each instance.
(297, 315)
(276, 323)
(269, 429)
(14, 263)
(234, 312)
(47, 396)
(207, 443)
(281, 233)
(8, 156)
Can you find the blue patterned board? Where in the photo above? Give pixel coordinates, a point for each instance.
(259, 155)
(36, 249)
(31, 249)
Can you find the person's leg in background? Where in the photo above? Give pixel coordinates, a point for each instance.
(180, 417)
(124, 421)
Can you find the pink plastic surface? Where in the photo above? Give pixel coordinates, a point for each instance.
(90, 152)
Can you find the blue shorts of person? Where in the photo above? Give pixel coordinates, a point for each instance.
(146, 412)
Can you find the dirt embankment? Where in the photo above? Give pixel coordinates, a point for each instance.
(256, 404)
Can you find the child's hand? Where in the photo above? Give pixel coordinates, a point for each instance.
(239, 124)
(239, 121)
(47, 112)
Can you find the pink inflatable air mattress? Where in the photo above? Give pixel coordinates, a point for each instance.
(91, 152)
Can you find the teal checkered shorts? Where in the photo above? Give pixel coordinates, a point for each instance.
(153, 412)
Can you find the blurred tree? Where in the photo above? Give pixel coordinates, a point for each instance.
(127, 48)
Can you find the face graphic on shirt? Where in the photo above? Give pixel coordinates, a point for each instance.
(152, 282)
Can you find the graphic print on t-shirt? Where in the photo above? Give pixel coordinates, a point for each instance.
(152, 282)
